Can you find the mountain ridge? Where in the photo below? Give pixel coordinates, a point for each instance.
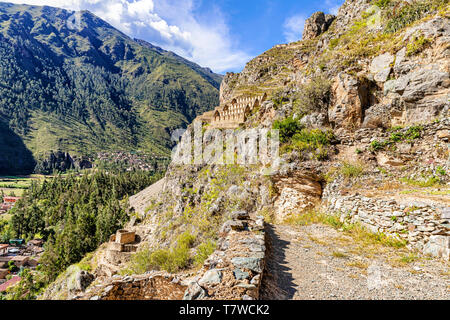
(92, 89)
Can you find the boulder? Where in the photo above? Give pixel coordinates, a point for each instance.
(194, 291)
(83, 279)
(381, 68)
(438, 246)
(422, 82)
(211, 277)
(240, 275)
(384, 115)
(251, 263)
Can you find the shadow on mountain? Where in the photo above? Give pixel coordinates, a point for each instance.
(15, 158)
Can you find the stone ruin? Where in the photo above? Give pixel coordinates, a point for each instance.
(119, 250)
(233, 272)
(231, 114)
(123, 241)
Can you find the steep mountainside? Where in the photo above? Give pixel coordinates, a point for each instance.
(362, 108)
(88, 87)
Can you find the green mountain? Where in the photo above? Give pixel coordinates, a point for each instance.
(89, 89)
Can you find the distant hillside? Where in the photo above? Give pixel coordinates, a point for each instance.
(88, 90)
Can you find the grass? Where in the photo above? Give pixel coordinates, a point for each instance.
(416, 45)
(338, 254)
(358, 264)
(352, 170)
(355, 230)
(411, 13)
(431, 181)
(171, 260)
(16, 185)
(408, 258)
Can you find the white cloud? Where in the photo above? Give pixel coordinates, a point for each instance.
(167, 23)
(293, 27)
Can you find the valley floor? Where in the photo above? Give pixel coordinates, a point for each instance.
(319, 262)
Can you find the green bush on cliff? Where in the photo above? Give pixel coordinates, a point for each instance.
(172, 259)
(287, 127)
(204, 250)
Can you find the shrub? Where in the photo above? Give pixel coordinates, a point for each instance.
(287, 127)
(382, 4)
(313, 140)
(428, 182)
(204, 250)
(313, 96)
(376, 145)
(170, 260)
(310, 140)
(441, 171)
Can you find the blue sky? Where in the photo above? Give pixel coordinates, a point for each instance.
(220, 34)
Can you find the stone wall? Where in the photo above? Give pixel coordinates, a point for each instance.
(229, 115)
(234, 271)
(425, 227)
(151, 286)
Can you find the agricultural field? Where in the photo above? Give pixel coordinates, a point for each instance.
(16, 185)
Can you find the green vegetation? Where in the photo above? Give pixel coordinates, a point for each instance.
(74, 214)
(382, 4)
(352, 170)
(358, 232)
(314, 96)
(287, 127)
(15, 186)
(364, 39)
(409, 13)
(89, 91)
(204, 250)
(425, 183)
(416, 45)
(294, 137)
(397, 135)
(173, 259)
(28, 288)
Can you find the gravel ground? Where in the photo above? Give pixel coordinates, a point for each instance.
(317, 262)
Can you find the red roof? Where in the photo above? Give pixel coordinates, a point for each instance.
(10, 199)
(10, 283)
(3, 246)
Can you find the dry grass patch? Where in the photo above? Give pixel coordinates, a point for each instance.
(358, 264)
(339, 254)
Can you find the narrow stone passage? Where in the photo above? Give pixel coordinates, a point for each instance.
(318, 262)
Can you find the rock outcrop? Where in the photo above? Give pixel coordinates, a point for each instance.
(317, 24)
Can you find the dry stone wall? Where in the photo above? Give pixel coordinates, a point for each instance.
(150, 286)
(234, 271)
(425, 227)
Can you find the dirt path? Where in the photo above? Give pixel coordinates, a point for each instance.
(318, 262)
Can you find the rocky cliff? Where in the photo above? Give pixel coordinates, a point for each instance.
(367, 93)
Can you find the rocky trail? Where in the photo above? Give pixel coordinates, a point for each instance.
(318, 262)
